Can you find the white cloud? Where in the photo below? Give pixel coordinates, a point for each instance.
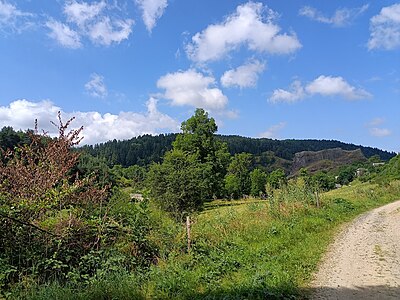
(379, 132)
(92, 21)
(385, 29)
(81, 13)
(273, 131)
(323, 85)
(21, 114)
(152, 10)
(64, 35)
(341, 17)
(243, 76)
(252, 25)
(96, 86)
(106, 32)
(295, 93)
(12, 18)
(335, 86)
(192, 88)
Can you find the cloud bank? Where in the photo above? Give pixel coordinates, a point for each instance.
(21, 114)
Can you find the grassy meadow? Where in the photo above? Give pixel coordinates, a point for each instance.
(241, 249)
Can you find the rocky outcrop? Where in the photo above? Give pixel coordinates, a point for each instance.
(325, 159)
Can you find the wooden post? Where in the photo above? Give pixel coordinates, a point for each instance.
(317, 198)
(188, 233)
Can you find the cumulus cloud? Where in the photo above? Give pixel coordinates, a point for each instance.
(294, 94)
(192, 88)
(243, 76)
(64, 35)
(324, 86)
(252, 25)
(335, 86)
(385, 29)
(92, 21)
(273, 131)
(152, 10)
(341, 17)
(96, 86)
(98, 127)
(12, 18)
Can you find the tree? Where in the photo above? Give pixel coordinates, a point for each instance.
(258, 180)
(346, 175)
(192, 171)
(239, 168)
(198, 138)
(178, 185)
(277, 178)
(323, 181)
(232, 186)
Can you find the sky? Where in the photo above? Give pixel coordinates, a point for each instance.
(279, 69)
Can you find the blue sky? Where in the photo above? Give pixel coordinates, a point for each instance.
(278, 69)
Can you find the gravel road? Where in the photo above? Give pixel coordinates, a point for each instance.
(364, 261)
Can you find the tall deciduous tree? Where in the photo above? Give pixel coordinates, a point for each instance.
(193, 170)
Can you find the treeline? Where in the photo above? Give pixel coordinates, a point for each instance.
(143, 150)
(146, 149)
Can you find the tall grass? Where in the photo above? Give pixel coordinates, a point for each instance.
(249, 249)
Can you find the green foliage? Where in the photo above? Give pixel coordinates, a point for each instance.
(144, 150)
(132, 176)
(258, 180)
(198, 138)
(323, 181)
(391, 171)
(232, 186)
(180, 184)
(277, 179)
(57, 225)
(240, 168)
(193, 171)
(346, 175)
(240, 250)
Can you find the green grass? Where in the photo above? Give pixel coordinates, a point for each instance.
(241, 250)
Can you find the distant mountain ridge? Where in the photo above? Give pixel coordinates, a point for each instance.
(146, 149)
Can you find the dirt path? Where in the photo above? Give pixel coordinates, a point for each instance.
(364, 261)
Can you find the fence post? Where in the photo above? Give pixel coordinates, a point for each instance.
(188, 233)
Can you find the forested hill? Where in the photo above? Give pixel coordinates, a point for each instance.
(145, 149)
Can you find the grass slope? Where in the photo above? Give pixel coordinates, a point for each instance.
(249, 249)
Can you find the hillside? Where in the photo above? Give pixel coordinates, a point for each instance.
(146, 149)
(328, 159)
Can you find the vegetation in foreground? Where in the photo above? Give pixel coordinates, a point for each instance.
(68, 232)
(253, 249)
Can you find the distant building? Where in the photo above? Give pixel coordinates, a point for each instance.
(378, 164)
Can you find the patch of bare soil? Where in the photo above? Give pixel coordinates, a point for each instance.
(364, 261)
